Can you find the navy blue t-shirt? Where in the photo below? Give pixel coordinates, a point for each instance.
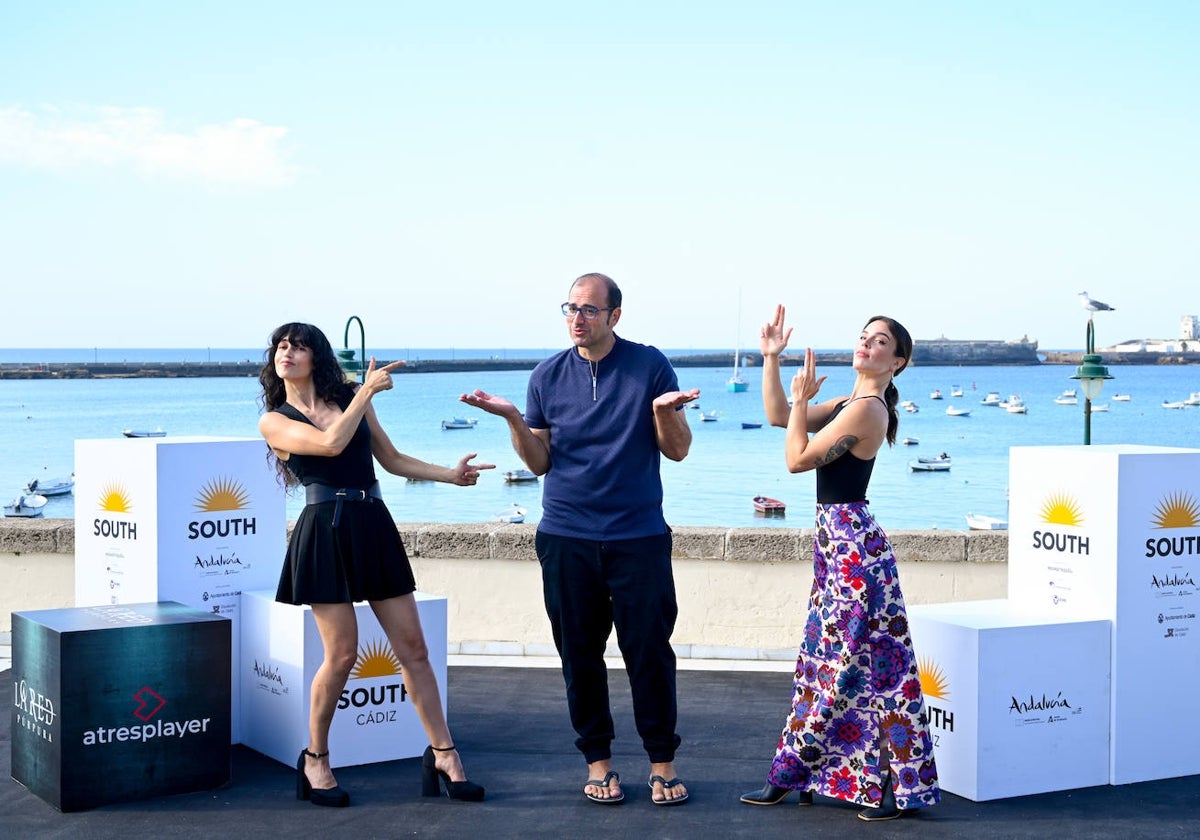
(604, 481)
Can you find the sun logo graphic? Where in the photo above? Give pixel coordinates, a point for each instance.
(933, 679)
(1062, 510)
(1176, 511)
(114, 499)
(375, 659)
(222, 494)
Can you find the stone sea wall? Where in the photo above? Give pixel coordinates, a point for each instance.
(742, 591)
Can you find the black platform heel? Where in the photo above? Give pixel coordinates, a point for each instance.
(887, 809)
(771, 795)
(431, 786)
(333, 797)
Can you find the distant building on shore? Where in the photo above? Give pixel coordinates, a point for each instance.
(1187, 342)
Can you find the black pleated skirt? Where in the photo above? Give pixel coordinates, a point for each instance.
(363, 559)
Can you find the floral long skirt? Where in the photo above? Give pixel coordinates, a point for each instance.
(856, 682)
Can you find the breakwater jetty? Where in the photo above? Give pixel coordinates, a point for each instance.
(941, 351)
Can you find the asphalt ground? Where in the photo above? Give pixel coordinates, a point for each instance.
(512, 729)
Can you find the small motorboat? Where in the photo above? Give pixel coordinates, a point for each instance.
(1101, 407)
(979, 522)
(746, 425)
(955, 391)
(1121, 398)
(992, 398)
(769, 506)
(935, 394)
(521, 476)
(708, 417)
(143, 433)
(912, 407)
(911, 441)
(940, 463)
(1065, 399)
(958, 412)
(460, 423)
(1016, 405)
(514, 514)
(51, 486)
(27, 505)
(1167, 404)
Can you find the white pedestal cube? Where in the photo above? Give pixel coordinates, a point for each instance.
(195, 520)
(375, 719)
(1018, 702)
(1113, 532)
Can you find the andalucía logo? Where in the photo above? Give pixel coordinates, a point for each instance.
(1061, 510)
(146, 706)
(375, 660)
(114, 499)
(219, 496)
(935, 687)
(1176, 511)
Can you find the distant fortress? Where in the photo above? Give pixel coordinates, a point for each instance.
(938, 351)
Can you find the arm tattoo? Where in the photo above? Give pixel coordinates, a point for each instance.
(839, 448)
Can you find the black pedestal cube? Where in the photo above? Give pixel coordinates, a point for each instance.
(113, 703)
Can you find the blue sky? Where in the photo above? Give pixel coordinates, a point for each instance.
(193, 174)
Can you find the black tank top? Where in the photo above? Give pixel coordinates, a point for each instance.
(353, 468)
(845, 478)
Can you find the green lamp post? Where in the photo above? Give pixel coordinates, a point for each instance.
(346, 358)
(1091, 375)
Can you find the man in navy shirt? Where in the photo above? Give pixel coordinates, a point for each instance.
(597, 420)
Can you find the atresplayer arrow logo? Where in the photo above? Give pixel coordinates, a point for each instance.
(145, 697)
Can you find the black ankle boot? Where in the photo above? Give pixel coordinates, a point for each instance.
(771, 795)
(333, 797)
(887, 809)
(431, 776)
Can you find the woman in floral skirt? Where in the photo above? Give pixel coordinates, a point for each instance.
(858, 729)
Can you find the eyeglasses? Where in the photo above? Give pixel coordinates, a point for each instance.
(587, 310)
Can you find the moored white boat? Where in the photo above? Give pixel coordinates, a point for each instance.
(979, 522)
(911, 441)
(514, 514)
(143, 433)
(936, 394)
(521, 476)
(1101, 407)
(958, 412)
(955, 391)
(930, 465)
(992, 398)
(1065, 399)
(26, 505)
(709, 417)
(51, 486)
(460, 423)
(1168, 404)
(1121, 398)
(1016, 405)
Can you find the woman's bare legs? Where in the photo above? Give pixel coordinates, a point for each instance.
(339, 638)
(401, 623)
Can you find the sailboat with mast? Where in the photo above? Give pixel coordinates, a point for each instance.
(736, 384)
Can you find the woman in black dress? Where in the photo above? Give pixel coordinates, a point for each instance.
(345, 547)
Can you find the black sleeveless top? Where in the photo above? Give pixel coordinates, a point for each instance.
(845, 478)
(353, 468)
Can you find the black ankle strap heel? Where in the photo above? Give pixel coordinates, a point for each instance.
(432, 780)
(333, 797)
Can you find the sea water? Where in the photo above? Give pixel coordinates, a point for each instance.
(40, 420)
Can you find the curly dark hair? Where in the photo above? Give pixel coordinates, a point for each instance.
(327, 375)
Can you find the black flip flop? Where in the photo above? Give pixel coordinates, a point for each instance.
(610, 799)
(679, 800)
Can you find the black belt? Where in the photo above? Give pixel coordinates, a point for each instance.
(315, 494)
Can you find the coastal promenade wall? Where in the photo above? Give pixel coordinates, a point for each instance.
(742, 591)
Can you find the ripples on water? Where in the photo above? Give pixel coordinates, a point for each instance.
(727, 467)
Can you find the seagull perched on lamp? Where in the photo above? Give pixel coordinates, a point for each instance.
(1093, 305)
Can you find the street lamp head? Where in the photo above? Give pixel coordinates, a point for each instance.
(1091, 375)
